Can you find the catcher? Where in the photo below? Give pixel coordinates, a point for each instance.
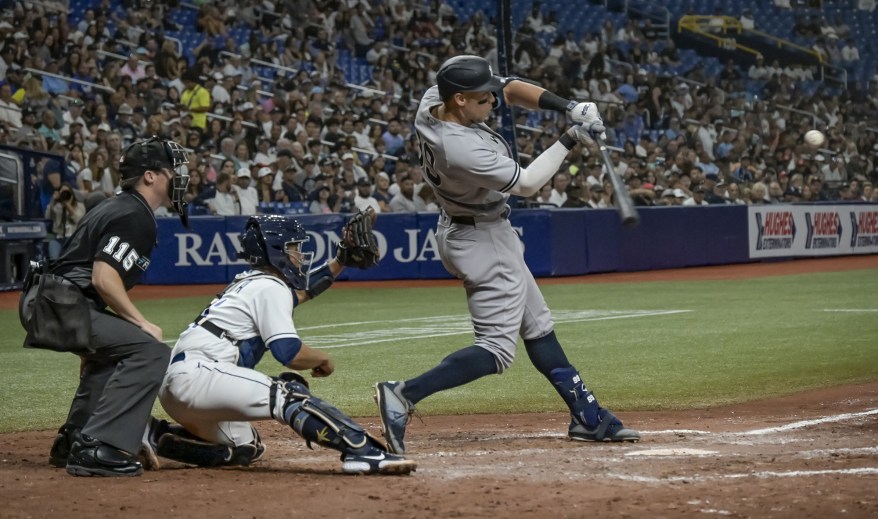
(211, 387)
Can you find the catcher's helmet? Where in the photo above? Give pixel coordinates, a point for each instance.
(264, 244)
(467, 74)
(156, 154)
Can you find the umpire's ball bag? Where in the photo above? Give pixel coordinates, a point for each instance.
(55, 314)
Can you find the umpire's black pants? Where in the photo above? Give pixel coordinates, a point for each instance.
(119, 382)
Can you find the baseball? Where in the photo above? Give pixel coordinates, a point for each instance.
(815, 138)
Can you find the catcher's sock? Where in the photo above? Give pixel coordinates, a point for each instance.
(546, 354)
(459, 368)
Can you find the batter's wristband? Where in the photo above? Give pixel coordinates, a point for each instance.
(567, 141)
(551, 101)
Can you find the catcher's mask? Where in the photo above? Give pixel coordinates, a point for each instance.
(276, 241)
(156, 155)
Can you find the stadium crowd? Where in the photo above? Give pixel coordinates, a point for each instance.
(273, 125)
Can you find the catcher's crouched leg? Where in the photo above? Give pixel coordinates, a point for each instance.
(176, 443)
(319, 422)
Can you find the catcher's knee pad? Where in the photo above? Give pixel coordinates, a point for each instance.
(187, 448)
(318, 421)
(582, 403)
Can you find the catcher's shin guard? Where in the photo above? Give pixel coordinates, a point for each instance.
(179, 445)
(589, 421)
(318, 421)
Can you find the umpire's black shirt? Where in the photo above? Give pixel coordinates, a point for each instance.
(120, 231)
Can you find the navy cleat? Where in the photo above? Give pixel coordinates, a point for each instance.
(395, 412)
(148, 455)
(376, 461)
(609, 429)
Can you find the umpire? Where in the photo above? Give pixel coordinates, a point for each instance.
(123, 356)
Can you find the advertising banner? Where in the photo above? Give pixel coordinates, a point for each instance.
(812, 230)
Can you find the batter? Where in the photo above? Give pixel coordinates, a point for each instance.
(470, 169)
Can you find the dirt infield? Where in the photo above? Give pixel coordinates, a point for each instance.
(807, 455)
(812, 454)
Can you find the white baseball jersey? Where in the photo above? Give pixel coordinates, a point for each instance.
(469, 167)
(255, 309)
(213, 390)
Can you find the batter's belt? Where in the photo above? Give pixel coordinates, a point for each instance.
(473, 220)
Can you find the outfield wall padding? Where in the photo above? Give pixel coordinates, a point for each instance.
(558, 242)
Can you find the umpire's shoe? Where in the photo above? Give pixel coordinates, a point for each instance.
(610, 429)
(395, 411)
(92, 457)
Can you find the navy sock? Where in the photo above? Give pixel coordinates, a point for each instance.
(457, 369)
(546, 354)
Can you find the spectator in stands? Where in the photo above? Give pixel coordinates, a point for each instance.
(392, 139)
(65, 211)
(748, 22)
(321, 203)
(133, 68)
(199, 190)
(758, 70)
(364, 199)
(247, 197)
(559, 188)
(290, 191)
(225, 201)
(210, 20)
(850, 53)
(195, 99)
(406, 201)
(775, 192)
(381, 191)
(698, 194)
(10, 113)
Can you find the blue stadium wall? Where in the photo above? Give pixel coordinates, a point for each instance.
(561, 242)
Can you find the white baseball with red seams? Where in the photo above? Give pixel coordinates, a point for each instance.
(815, 138)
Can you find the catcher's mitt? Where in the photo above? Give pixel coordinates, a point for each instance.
(358, 247)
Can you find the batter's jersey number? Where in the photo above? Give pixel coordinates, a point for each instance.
(119, 252)
(428, 161)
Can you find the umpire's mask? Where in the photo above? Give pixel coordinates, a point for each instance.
(157, 154)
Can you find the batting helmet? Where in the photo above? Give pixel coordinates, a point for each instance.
(467, 74)
(264, 244)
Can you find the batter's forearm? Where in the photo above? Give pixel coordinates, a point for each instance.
(540, 170)
(531, 96)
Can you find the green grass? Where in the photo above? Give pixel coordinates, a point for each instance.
(738, 340)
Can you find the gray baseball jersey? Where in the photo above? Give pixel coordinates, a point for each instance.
(471, 171)
(469, 167)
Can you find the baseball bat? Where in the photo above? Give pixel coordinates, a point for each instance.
(624, 204)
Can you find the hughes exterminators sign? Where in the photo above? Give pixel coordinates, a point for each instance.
(812, 230)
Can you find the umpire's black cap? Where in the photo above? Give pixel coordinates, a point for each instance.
(152, 154)
(467, 74)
